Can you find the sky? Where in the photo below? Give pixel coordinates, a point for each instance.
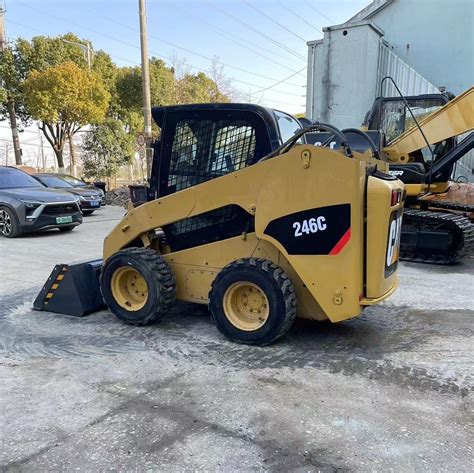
(261, 44)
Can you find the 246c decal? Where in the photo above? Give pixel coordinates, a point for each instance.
(318, 231)
(312, 225)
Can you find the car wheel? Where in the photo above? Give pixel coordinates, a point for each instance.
(9, 226)
(69, 228)
(87, 212)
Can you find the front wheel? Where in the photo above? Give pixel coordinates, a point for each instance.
(9, 226)
(87, 212)
(253, 301)
(137, 285)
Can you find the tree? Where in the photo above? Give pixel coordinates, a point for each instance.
(39, 54)
(65, 98)
(9, 94)
(106, 147)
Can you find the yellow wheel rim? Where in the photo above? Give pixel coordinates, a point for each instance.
(129, 288)
(246, 306)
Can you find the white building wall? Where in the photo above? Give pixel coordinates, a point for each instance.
(342, 79)
(345, 70)
(435, 37)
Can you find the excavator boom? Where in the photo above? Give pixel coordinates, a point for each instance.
(453, 119)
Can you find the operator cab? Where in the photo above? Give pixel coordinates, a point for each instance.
(200, 142)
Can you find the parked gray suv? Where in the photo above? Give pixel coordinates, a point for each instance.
(26, 205)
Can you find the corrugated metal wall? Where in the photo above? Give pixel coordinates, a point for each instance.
(408, 80)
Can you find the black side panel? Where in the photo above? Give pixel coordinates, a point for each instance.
(219, 224)
(318, 231)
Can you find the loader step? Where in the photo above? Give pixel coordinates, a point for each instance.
(72, 289)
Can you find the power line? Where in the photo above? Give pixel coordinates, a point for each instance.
(150, 36)
(310, 4)
(298, 16)
(286, 103)
(255, 30)
(234, 38)
(251, 84)
(42, 32)
(279, 82)
(296, 35)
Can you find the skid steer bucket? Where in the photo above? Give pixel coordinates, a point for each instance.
(72, 289)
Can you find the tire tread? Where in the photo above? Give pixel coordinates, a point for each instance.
(283, 281)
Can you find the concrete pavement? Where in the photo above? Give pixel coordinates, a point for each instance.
(391, 390)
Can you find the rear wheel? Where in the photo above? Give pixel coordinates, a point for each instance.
(87, 212)
(253, 301)
(137, 285)
(9, 226)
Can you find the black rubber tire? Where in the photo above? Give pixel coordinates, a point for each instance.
(87, 212)
(69, 228)
(158, 276)
(275, 284)
(15, 226)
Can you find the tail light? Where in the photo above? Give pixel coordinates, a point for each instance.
(396, 197)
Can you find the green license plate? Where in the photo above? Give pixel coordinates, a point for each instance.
(67, 219)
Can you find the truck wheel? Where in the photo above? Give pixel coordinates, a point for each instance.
(9, 226)
(137, 285)
(253, 301)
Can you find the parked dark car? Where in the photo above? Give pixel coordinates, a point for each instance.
(26, 205)
(91, 197)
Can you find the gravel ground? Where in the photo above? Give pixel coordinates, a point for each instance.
(391, 390)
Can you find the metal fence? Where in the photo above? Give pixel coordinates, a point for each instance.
(408, 80)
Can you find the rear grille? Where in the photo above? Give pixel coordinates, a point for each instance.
(60, 209)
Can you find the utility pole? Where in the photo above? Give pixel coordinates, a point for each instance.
(146, 86)
(86, 49)
(43, 158)
(72, 157)
(10, 102)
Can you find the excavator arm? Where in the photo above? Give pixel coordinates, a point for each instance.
(451, 120)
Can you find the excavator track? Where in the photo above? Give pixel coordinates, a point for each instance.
(435, 237)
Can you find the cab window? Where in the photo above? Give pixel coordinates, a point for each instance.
(287, 125)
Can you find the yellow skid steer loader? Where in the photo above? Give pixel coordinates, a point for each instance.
(245, 216)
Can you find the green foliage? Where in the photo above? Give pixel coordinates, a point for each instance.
(41, 53)
(106, 147)
(66, 93)
(199, 88)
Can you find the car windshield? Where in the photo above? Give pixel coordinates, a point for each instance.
(14, 178)
(53, 181)
(74, 181)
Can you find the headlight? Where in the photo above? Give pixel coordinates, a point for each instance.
(31, 205)
(82, 198)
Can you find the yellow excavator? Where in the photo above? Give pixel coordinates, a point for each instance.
(424, 138)
(243, 215)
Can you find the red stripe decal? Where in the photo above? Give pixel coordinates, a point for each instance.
(341, 243)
